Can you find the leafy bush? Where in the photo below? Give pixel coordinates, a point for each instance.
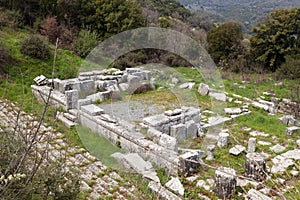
(121, 64)
(35, 47)
(85, 42)
(290, 69)
(11, 18)
(5, 58)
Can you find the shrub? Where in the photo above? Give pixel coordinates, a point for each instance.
(50, 29)
(121, 64)
(5, 58)
(35, 47)
(290, 69)
(85, 42)
(11, 18)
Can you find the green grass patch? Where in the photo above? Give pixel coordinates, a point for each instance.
(98, 146)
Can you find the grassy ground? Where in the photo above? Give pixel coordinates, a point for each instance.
(98, 146)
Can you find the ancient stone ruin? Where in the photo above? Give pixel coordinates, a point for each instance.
(156, 139)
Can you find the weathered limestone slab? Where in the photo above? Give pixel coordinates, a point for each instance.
(291, 130)
(168, 142)
(251, 145)
(161, 192)
(237, 150)
(101, 96)
(191, 129)
(218, 96)
(87, 87)
(233, 111)
(173, 112)
(203, 89)
(83, 102)
(225, 182)
(64, 120)
(178, 132)
(92, 110)
(70, 117)
(256, 195)
(277, 148)
(175, 185)
(156, 121)
(186, 86)
(289, 120)
(137, 163)
(260, 106)
(123, 87)
(154, 134)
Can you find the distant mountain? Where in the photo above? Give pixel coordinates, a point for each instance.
(246, 12)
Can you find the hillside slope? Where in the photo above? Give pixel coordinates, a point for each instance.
(247, 12)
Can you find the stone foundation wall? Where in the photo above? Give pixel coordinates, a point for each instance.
(133, 142)
(56, 99)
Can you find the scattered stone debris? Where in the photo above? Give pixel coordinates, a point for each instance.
(186, 86)
(218, 96)
(264, 143)
(291, 130)
(202, 184)
(41, 80)
(257, 133)
(237, 150)
(233, 111)
(210, 152)
(203, 89)
(289, 120)
(256, 195)
(251, 145)
(161, 192)
(277, 148)
(175, 185)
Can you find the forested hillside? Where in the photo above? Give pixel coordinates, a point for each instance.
(245, 12)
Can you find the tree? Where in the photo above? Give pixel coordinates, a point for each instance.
(225, 42)
(277, 37)
(112, 17)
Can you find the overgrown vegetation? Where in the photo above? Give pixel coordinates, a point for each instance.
(35, 47)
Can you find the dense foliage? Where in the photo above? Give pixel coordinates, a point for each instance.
(277, 37)
(35, 47)
(290, 69)
(85, 43)
(224, 42)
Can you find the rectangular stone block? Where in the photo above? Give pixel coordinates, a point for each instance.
(178, 132)
(191, 129)
(83, 102)
(92, 110)
(87, 87)
(71, 99)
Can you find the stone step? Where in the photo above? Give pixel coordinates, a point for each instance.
(64, 120)
(70, 117)
(73, 112)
